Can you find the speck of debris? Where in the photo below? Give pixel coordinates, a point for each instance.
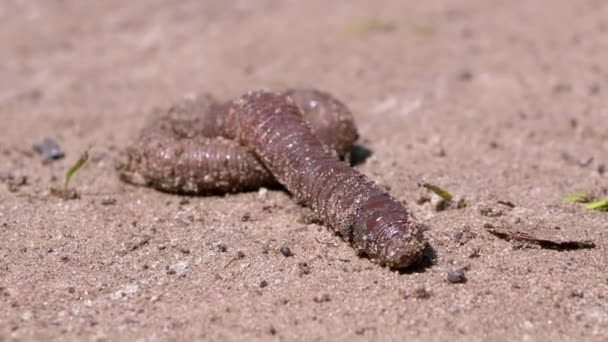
(506, 203)
(423, 199)
(240, 254)
(184, 201)
(108, 201)
(246, 217)
(263, 284)
(303, 269)
(180, 268)
(462, 236)
(5, 175)
(65, 193)
(576, 293)
(262, 193)
(322, 298)
(594, 88)
(465, 75)
(420, 292)
(286, 251)
(601, 169)
(272, 330)
(71, 289)
(49, 149)
(456, 276)
(16, 182)
(490, 212)
(222, 248)
(64, 258)
(560, 88)
(475, 252)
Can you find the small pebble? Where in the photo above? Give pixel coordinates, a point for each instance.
(49, 149)
(263, 283)
(456, 276)
(262, 193)
(180, 268)
(286, 251)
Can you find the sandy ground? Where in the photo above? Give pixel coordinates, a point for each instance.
(492, 100)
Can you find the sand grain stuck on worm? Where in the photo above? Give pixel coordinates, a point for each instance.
(295, 138)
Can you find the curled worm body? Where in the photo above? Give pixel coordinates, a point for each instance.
(294, 137)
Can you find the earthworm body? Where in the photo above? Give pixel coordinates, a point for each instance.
(294, 138)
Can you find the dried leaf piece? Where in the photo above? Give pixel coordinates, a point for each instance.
(544, 238)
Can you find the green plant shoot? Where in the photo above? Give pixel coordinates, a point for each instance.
(79, 163)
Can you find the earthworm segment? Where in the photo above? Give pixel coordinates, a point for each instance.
(293, 137)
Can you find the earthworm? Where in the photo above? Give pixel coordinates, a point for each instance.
(272, 127)
(183, 150)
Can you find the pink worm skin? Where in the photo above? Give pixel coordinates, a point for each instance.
(373, 222)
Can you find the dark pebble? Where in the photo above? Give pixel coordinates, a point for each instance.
(49, 149)
(286, 251)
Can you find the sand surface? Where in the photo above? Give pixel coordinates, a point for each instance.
(492, 100)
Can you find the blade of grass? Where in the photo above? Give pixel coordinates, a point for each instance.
(444, 194)
(597, 205)
(79, 163)
(581, 196)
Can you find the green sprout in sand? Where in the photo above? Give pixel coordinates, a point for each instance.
(79, 163)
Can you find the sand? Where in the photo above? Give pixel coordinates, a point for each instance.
(491, 100)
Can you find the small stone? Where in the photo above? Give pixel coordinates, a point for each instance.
(456, 276)
(262, 193)
(286, 251)
(49, 149)
(263, 284)
(180, 268)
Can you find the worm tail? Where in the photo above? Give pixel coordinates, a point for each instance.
(372, 221)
